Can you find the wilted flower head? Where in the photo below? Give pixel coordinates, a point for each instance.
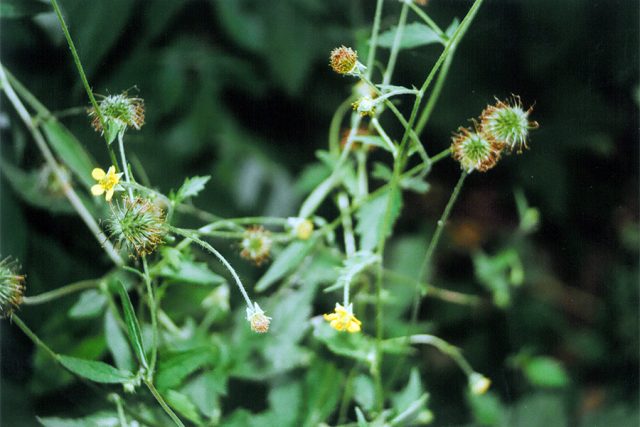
(508, 123)
(108, 182)
(119, 113)
(256, 317)
(478, 383)
(137, 224)
(302, 227)
(11, 287)
(366, 106)
(343, 319)
(344, 60)
(474, 150)
(256, 244)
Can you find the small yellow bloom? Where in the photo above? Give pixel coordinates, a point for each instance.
(107, 182)
(342, 319)
(302, 227)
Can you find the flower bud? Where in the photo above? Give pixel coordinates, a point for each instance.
(11, 287)
(256, 244)
(366, 106)
(478, 383)
(256, 317)
(302, 227)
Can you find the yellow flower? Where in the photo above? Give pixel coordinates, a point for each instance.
(342, 319)
(107, 182)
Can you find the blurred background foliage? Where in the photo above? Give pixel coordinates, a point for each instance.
(241, 90)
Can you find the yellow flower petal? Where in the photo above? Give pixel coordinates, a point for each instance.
(98, 174)
(97, 190)
(109, 195)
(111, 171)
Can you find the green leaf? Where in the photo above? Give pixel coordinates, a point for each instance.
(322, 390)
(353, 266)
(376, 218)
(173, 369)
(191, 187)
(22, 8)
(99, 372)
(412, 392)
(100, 419)
(190, 272)
(69, 150)
(90, 304)
(133, 327)
(286, 261)
(33, 189)
(545, 372)
(487, 409)
(183, 405)
(364, 392)
(117, 342)
(414, 35)
(362, 421)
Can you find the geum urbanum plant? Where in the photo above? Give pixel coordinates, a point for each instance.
(185, 367)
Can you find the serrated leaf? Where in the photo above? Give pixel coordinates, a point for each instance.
(90, 304)
(413, 35)
(133, 327)
(183, 405)
(190, 188)
(69, 150)
(173, 369)
(285, 262)
(412, 392)
(353, 266)
(546, 372)
(322, 390)
(117, 343)
(376, 218)
(364, 391)
(22, 8)
(96, 371)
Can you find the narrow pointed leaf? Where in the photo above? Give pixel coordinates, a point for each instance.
(133, 327)
(99, 372)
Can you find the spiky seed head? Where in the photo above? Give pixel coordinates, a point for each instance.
(508, 123)
(474, 150)
(120, 112)
(138, 225)
(256, 244)
(344, 60)
(11, 287)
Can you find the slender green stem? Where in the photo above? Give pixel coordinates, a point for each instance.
(125, 165)
(395, 48)
(336, 122)
(32, 336)
(60, 292)
(435, 93)
(385, 137)
(162, 403)
(192, 234)
(115, 398)
(436, 292)
(440, 344)
(349, 238)
(69, 192)
(83, 76)
(153, 309)
(374, 38)
(425, 269)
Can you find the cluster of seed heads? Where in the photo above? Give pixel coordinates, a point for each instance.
(138, 225)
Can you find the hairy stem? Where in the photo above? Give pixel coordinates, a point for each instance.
(60, 292)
